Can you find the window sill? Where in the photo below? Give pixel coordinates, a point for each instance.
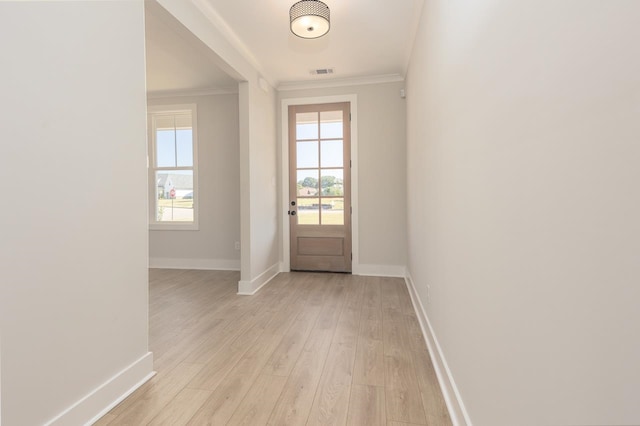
(173, 227)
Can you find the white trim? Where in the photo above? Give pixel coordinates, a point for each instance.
(398, 271)
(457, 410)
(249, 288)
(106, 396)
(202, 264)
(340, 82)
(168, 109)
(159, 94)
(284, 167)
(152, 111)
(173, 226)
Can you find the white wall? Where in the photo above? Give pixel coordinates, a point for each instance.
(523, 148)
(73, 297)
(260, 261)
(381, 163)
(212, 245)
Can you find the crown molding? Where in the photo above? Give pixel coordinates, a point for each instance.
(340, 82)
(159, 94)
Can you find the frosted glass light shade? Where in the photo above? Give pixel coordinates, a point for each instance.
(309, 18)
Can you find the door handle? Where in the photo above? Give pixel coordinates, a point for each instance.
(292, 213)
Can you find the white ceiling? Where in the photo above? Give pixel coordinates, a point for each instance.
(367, 39)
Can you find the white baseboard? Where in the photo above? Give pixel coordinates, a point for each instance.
(249, 288)
(204, 264)
(380, 270)
(457, 410)
(106, 396)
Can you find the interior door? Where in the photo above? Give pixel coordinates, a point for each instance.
(320, 187)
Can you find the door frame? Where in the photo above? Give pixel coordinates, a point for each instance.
(284, 170)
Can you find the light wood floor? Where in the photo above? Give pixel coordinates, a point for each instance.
(307, 349)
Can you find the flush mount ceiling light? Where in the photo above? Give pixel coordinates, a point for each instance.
(309, 18)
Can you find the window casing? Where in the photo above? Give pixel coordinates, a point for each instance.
(173, 168)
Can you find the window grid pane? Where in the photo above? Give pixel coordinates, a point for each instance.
(184, 148)
(307, 125)
(166, 148)
(174, 196)
(308, 211)
(307, 155)
(332, 211)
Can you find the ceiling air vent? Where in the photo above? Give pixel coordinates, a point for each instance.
(322, 71)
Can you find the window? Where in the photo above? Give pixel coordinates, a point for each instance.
(173, 172)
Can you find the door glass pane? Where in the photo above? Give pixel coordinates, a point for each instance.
(307, 183)
(174, 195)
(331, 124)
(332, 182)
(307, 125)
(307, 154)
(331, 153)
(308, 211)
(332, 211)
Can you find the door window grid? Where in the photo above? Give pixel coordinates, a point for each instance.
(320, 195)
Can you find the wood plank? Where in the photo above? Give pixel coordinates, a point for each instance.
(433, 402)
(371, 324)
(225, 359)
(367, 406)
(292, 305)
(149, 403)
(105, 420)
(406, 305)
(255, 408)
(286, 354)
(181, 346)
(328, 318)
(181, 408)
(402, 393)
(369, 365)
(222, 403)
(331, 403)
(229, 329)
(296, 399)
(397, 340)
